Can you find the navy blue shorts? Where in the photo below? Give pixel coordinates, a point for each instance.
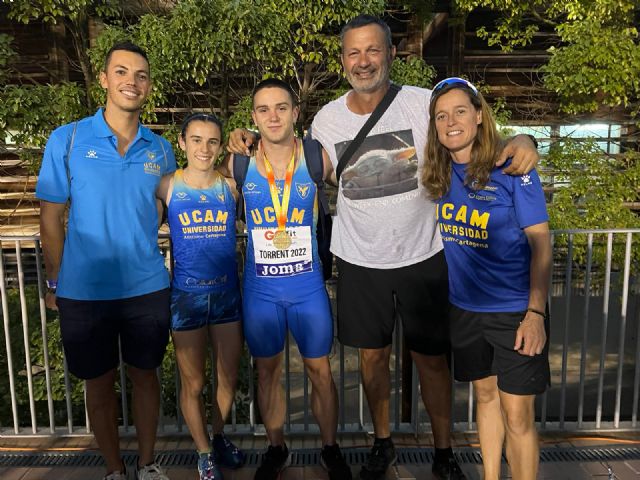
(192, 310)
(266, 320)
(91, 329)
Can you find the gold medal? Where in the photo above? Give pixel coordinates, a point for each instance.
(281, 240)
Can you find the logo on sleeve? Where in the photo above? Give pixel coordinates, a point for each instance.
(526, 180)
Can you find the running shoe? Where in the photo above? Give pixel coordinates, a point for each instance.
(383, 454)
(334, 463)
(274, 461)
(226, 453)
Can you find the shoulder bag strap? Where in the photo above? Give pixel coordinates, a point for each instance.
(366, 128)
(67, 158)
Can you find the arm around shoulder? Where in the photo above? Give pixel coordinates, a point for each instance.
(523, 153)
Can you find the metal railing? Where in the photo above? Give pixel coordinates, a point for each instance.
(594, 355)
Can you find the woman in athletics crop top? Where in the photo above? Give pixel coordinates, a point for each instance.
(205, 299)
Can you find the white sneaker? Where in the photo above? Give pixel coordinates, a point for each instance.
(151, 472)
(116, 476)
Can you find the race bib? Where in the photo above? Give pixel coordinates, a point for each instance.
(271, 261)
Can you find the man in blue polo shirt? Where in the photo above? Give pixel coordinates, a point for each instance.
(106, 275)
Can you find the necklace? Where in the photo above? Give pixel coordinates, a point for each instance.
(279, 172)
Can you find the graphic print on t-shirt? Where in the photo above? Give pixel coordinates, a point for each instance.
(383, 165)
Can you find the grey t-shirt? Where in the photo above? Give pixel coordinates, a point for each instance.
(385, 219)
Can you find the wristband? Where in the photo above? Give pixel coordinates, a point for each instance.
(533, 310)
(52, 284)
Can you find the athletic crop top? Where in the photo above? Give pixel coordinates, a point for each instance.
(202, 223)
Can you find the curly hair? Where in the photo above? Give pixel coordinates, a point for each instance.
(436, 174)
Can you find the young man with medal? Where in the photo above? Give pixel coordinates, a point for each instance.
(283, 283)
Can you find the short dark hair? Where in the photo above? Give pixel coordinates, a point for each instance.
(275, 83)
(201, 116)
(128, 47)
(363, 20)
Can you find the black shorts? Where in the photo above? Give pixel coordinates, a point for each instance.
(482, 345)
(369, 299)
(91, 328)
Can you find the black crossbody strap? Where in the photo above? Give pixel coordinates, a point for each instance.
(366, 128)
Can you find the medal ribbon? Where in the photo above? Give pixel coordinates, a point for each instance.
(280, 209)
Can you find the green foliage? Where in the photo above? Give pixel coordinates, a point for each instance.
(241, 117)
(596, 187)
(7, 55)
(596, 59)
(53, 11)
(29, 113)
(501, 111)
(412, 71)
(599, 64)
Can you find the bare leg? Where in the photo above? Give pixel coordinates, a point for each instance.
(146, 407)
(490, 425)
(435, 385)
(271, 397)
(324, 397)
(191, 348)
(523, 450)
(102, 406)
(227, 341)
(376, 380)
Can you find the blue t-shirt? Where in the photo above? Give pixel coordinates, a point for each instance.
(486, 248)
(111, 245)
(203, 235)
(267, 267)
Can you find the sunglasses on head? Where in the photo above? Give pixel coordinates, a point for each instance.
(453, 82)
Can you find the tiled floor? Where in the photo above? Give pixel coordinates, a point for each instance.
(621, 470)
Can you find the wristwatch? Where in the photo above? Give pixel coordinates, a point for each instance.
(52, 285)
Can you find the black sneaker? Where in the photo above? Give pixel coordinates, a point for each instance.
(448, 470)
(382, 455)
(334, 463)
(274, 461)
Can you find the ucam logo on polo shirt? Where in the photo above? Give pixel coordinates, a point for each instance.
(152, 168)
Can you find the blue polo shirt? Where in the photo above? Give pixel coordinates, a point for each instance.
(111, 246)
(487, 251)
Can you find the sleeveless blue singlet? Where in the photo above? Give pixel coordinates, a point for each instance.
(302, 268)
(202, 223)
(283, 287)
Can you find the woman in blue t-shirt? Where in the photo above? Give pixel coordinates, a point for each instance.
(495, 232)
(205, 294)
